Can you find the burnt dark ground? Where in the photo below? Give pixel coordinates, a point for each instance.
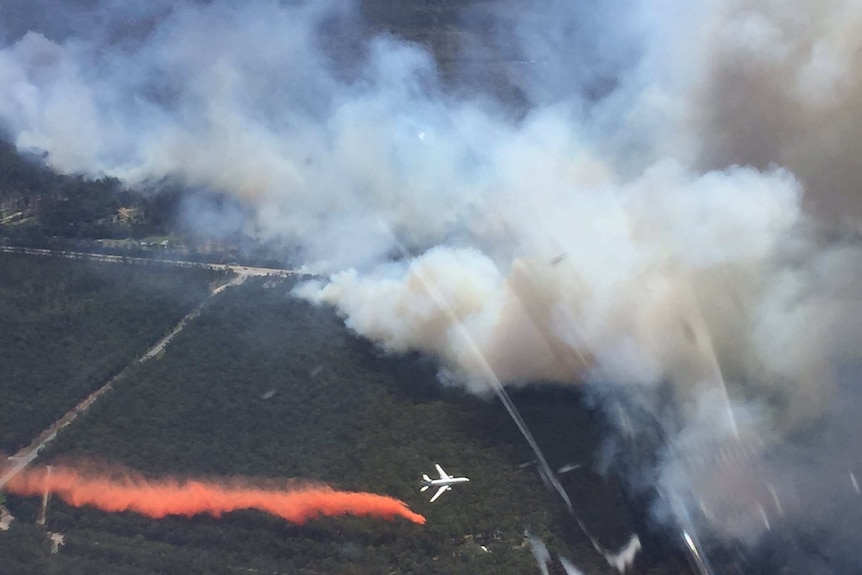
(569, 432)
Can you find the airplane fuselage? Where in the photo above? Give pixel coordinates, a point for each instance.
(439, 482)
(443, 484)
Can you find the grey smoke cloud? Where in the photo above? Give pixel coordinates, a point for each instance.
(650, 219)
(782, 85)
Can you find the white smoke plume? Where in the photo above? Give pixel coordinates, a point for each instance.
(540, 552)
(659, 212)
(569, 567)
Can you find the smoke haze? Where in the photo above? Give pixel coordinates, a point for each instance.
(661, 211)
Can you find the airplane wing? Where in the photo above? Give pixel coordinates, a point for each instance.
(440, 492)
(442, 473)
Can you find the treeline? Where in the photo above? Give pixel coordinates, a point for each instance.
(37, 204)
(42, 209)
(67, 327)
(266, 386)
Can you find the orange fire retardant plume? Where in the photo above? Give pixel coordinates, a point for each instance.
(125, 491)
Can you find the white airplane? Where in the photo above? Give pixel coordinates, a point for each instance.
(444, 483)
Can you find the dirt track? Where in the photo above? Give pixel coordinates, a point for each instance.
(27, 455)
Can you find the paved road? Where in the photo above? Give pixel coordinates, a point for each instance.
(245, 270)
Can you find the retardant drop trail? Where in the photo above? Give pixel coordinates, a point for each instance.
(127, 491)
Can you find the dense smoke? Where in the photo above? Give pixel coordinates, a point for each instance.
(783, 84)
(674, 204)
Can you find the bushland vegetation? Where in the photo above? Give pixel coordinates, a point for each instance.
(67, 327)
(265, 386)
(41, 208)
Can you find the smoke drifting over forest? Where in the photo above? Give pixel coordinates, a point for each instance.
(661, 210)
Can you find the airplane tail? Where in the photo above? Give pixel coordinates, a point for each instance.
(425, 477)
